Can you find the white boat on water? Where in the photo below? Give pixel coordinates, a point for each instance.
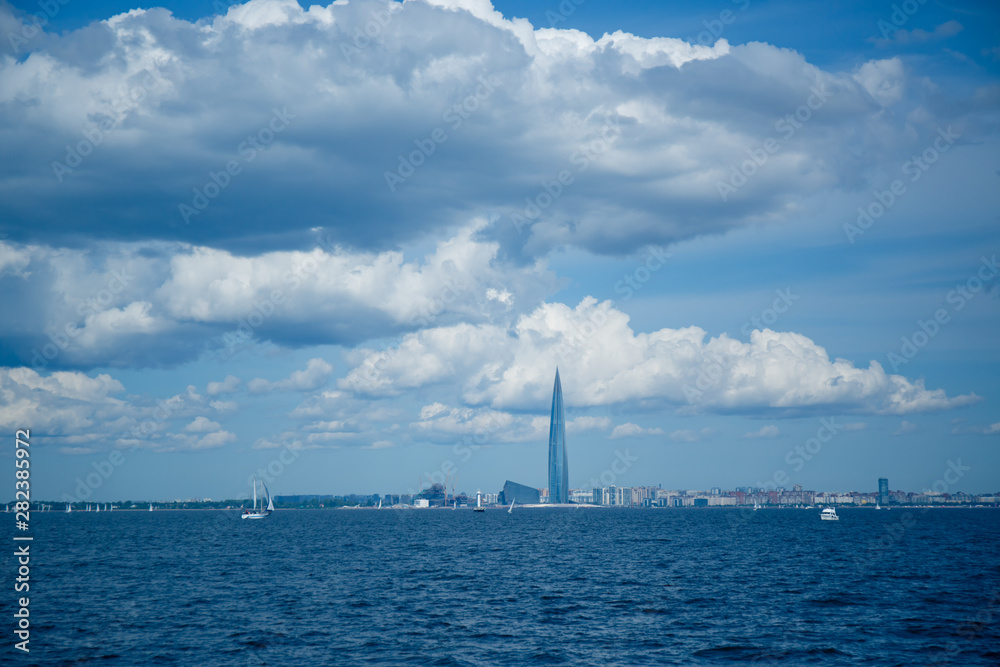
(510, 510)
(829, 514)
(150, 507)
(877, 506)
(379, 504)
(263, 511)
(756, 506)
(69, 508)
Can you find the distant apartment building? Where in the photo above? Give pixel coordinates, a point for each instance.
(883, 491)
(797, 497)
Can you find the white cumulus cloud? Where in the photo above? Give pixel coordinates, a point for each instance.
(769, 431)
(315, 374)
(630, 430)
(227, 386)
(203, 425)
(605, 362)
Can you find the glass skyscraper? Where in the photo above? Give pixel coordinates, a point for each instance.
(558, 465)
(883, 491)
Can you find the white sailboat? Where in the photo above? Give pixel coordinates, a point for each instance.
(379, 503)
(756, 506)
(69, 508)
(150, 507)
(510, 510)
(263, 511)
(877, 505)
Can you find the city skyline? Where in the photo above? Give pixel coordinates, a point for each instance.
(945, 491)
(949, 485)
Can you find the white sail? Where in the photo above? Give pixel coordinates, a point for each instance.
(510, 510)
(270, 503)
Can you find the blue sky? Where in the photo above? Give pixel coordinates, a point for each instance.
(241, 236)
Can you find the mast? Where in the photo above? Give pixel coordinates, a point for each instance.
(255, 493)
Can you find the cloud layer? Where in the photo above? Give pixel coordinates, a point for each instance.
(148, 304)
(245, 131)
(82, 415)
(511, 368)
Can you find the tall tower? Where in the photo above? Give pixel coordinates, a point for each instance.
(883, 491)
(558, 465)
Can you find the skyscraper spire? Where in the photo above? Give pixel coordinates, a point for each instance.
(558, 464)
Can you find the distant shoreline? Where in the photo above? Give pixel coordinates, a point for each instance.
(519, 507)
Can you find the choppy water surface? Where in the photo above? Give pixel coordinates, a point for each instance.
(540, 586)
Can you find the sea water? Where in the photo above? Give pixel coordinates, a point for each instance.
(546, 586)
